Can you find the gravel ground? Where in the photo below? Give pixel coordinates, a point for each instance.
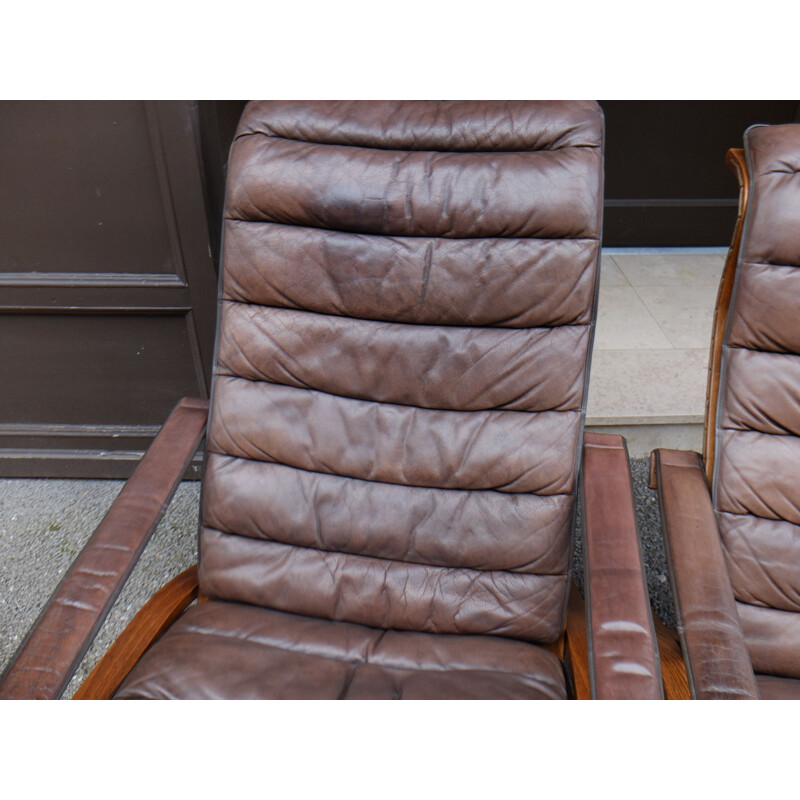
(45, 523)
(43, 526)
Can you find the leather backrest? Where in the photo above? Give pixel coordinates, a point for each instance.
(757, 475)
(406, 317)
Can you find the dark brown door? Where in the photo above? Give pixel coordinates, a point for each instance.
(667, 184)
(107, 281)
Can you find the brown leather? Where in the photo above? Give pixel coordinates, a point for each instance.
(45, 662)
(230, 651)
(773, 639)
(756, 488)
(775, 688)
(623, 657)
(406, 318)
(718, 664)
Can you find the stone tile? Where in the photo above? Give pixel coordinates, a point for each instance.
(670, 269)
(624, 323)
(610, 273)
(647, 386)
(684, 314)
(643, 439)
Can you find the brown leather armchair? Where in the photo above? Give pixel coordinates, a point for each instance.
(406, 316)
(734, 548)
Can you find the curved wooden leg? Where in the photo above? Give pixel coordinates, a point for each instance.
(163, 608)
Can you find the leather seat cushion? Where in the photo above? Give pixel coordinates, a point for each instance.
(223, 650)
(773, 687)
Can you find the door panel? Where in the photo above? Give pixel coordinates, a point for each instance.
(107, 281)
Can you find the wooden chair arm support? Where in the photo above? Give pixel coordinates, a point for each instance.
(160, 611)
(55, 645)
(717, 660)
(622, 649)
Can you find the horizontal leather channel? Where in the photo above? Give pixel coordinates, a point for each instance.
(516, 283)
(479, 530)
(468, 369)
(408, 300)
(457, 125)
(288, 656)
(773, 639)
(541, 194)
(762, 557)
(511, 451)
(773, 236)
(765, 317)
(762, 392)
(381, 593)
(758, 475)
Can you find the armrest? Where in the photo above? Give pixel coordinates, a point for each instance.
(717, 660)
(623, 655)
(55, 645)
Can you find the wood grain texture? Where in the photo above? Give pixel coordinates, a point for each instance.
(673, 668)
(576, 655)
(735, 159)
(163, 608)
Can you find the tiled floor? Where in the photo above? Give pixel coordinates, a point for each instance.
(650, 357)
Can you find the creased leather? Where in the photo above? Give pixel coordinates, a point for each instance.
(379, 592)
(420, 525)
(431, 366)
(285, 656)
(757, 493)
(541, 194)
(460, 125)
(512, 283)
(510, 451)
(406, 315)
(773, 638)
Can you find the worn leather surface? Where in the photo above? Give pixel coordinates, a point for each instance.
(53, 648)
(406, 318)
(405, 326)
(623, 663)
(231, 651)
(717, 659)
(773, 639)
(773, 687)
(756, 486)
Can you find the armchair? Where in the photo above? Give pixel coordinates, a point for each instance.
(396, 440)
(731, 520)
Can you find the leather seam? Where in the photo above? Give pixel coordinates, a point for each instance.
(232, 375)
(438, 567)
(227, 218)
(385, 483)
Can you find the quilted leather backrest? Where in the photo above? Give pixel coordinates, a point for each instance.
(757, 479)
(406, 319)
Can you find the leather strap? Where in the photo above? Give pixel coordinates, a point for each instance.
(623, 654)
(717, 661)
(54, 647)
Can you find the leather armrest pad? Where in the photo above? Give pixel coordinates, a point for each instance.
(52, 651)
(717, 661)
(623, 654)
